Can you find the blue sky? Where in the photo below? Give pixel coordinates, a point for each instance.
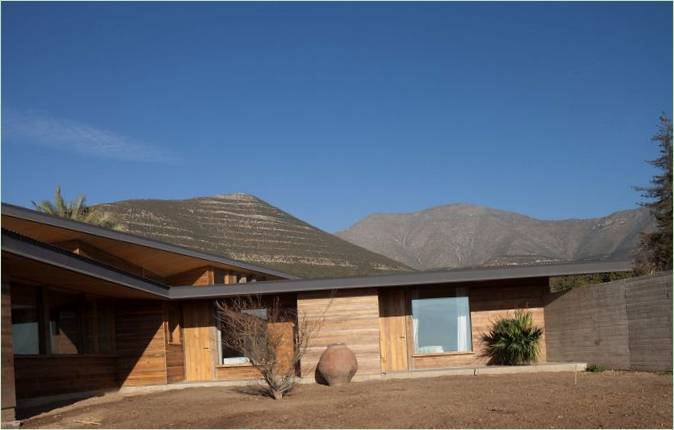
(335, 111)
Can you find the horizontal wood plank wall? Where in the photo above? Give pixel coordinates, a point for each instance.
(175, 363)
(199, 340)
(489, 302)
(8, 386)
(350, 317)
(48, 375)
(141, 342)
(229, 373)
(175, 353)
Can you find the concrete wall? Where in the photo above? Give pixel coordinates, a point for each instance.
(625, 324)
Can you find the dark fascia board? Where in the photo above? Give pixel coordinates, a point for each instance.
(42, 218)
(398, 280)
(27, 248)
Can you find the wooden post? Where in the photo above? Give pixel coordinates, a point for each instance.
(8, 384)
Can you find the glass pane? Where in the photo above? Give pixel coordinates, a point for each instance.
(65, 323)
(441, 325)
(231, 356)
(25, 327)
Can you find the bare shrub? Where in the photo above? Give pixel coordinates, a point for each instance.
(274, 345)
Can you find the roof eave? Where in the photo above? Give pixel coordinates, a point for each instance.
(42, 218)
(399, 280)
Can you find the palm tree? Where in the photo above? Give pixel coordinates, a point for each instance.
(77, 210)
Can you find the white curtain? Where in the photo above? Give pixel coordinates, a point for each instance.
(462, 326)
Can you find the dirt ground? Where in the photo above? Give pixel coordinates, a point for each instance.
(543, 400)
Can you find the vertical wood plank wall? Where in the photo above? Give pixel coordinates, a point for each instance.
(199, 340)
(350, 317)
(8, 387)
(393, 326)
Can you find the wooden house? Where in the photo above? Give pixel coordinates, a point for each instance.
(87, 309)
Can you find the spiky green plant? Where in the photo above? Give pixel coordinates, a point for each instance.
(513, 340)
(77, 210)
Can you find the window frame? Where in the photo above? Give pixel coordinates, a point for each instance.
(87, 308)
(218, 338)
(418, 294)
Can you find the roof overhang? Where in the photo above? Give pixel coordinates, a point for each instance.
(161, 258)
(400, 280)
(30, 261)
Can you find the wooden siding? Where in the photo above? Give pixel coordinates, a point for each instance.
(141, 343)
(199, 276)
(199, 340)
(489, 302)
(348, 316)
(175, 353)
(8, 387)
(175, 363)
(52, 374)
(393, 310)
(230, 373)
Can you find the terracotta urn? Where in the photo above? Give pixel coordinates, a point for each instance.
(337, 365)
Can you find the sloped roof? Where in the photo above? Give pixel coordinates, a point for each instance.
(30, 249)
(28, 215)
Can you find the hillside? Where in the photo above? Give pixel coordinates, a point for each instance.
(461, 235)
(243, 227)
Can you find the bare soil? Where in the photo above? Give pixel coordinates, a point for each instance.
(543, 400)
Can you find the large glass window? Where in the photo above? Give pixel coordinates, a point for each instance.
(441, 324)
(229, 356)
(25, 321)
(54, 321)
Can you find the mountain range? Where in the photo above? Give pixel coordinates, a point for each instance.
(463, 235)
(246, 228)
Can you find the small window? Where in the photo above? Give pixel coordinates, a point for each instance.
(228, 356)
(441, 325)
(175, 322)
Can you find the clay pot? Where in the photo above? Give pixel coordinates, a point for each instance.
(337, 365)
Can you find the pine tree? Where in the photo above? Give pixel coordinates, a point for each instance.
(656, 247)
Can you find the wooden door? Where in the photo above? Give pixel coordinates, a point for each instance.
(199, 341)
(393, 329)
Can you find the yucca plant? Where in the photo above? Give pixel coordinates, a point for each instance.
(513, 340)
(77, 210)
